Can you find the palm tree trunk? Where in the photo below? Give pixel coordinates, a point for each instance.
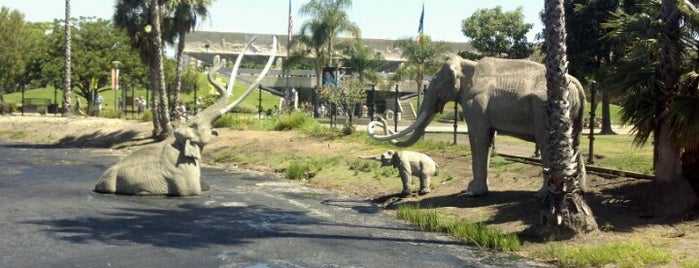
(606, 116)
(670, 193)
(564, 213)
(68, 61)
(158, 74)
(178, 69)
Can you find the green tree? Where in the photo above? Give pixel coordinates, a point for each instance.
(588, 51)
(423, 57)
(495, 33)
(564, 212)
(19, 43)
(184, 16)
(363, 61)
(142, 21)
(346, 94)
(311, 42)
(656, 78)
(95, 44)
(332, 16)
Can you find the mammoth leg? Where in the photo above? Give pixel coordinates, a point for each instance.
(406, 178)
(480, 142)
(424, 183)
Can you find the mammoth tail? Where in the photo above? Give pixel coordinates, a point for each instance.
(106, 184)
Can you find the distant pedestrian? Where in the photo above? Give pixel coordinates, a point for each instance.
(98, 104)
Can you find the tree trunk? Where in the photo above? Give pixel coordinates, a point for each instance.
(178, 69)
(68, 61)
(690, 167)
(669, 194)
(564, 213)
(606, 116)
(159, 74)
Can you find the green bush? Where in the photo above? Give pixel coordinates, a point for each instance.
(244, 108)
(110, 113)
(147, 116)
(235, 122)
(363, 165)
(7, 107)
(41, 110)
(294, 121)
(348, 129)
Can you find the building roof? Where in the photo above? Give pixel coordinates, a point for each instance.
(204, 45)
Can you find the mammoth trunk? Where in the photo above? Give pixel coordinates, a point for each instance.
(413, 132)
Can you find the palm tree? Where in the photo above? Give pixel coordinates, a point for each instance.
(422, 57)
(184, 17)
(133, 15)
(312, 41)
(660, 98)
(157, 70)
(564, 213)
(66, 71)
(669, 193)
(331, 14)
(363, 61)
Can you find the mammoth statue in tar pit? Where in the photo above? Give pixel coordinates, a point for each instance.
(496, 95)
(171, 167)
(408, 164)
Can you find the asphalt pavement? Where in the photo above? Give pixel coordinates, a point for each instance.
(51, 218)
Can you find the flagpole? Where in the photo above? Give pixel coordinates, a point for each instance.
(288, 47)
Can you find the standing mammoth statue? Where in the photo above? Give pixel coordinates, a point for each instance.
(503, 95)
(408, 164)
(171, 167)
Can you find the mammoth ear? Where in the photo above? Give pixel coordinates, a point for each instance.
(394, 157)
(191, 150)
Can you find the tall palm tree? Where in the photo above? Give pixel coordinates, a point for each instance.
(362, 60)
(185, 14)
(312, 41)
(158, 71)
(133, 15)
(66, 71)
(660, 98)
(564, 213)
(669, 193)
(422, 57)
(331, 13)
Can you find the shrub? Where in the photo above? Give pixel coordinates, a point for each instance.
(245, 108)
(41, 110)
(348, 129)
(7, 107)
(294, 121)
(235, 122)
(111, 113)
(147, 116)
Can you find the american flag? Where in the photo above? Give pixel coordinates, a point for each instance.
(291, 22)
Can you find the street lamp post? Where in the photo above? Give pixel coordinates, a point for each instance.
(115, 81)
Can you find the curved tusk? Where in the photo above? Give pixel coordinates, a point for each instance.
(229, 89)
(390, 137)
(257, 80)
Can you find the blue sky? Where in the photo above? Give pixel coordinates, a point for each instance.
(390, 19)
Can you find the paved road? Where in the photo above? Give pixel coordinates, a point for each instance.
(51, 218)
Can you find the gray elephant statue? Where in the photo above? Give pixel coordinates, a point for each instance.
(171, 167)
(409, 164)
(506, 96)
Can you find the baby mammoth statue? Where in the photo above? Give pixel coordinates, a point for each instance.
(408, 164)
